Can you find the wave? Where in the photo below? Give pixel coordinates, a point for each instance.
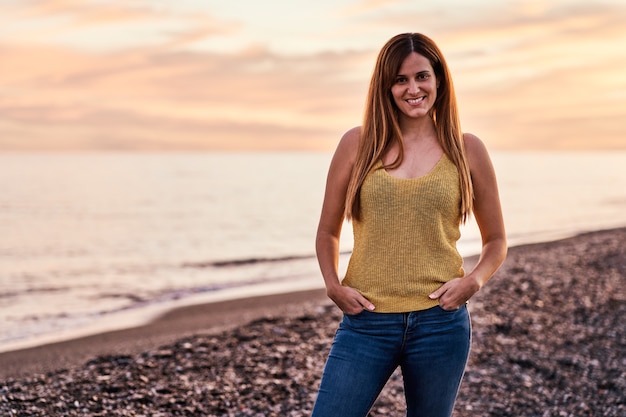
(249, 261)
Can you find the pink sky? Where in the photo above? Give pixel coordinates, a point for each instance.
(202, 75)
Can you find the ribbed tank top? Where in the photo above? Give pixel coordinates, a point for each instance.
(405, 241)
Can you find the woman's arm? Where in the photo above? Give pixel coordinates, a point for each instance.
(331, 221)
(488, 215)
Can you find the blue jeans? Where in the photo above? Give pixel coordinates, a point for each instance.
(431, 347)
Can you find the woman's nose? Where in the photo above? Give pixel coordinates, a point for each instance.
(413, 87)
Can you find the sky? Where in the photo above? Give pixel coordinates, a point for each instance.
(204, 75)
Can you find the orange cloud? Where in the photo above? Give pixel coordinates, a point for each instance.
(547, 83)
(82, 13)
(538, 79)
(365, 6)
(186, 100)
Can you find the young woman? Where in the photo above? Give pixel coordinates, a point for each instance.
(407, 179)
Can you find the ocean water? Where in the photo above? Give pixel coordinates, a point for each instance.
(96, 241)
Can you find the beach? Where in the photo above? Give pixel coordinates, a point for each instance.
(548, 340)
(133, 235)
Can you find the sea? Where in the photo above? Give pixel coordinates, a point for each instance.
(91, 242)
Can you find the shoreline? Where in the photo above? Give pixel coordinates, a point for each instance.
(547, 340)
(208, 318)
(135, 318)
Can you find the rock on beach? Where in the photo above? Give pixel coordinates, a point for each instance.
(549, 340)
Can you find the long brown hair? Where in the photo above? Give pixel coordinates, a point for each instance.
(381, 127)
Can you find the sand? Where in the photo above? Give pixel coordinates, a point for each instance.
(548, 341)
(209, 318)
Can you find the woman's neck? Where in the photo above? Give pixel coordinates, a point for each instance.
(417, 131)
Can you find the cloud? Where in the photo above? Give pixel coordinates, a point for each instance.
(167, 99)
(533, 77)
(545, 80)
(81, 13)
(112, 25)
(367, 6)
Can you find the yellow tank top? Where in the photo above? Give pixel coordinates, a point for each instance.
(405, 242)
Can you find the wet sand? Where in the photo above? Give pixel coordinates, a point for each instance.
(208, 318)
(548, 341)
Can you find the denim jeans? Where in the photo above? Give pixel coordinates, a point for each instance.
(431, 348)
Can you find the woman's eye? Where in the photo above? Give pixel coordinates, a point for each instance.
(400, 80)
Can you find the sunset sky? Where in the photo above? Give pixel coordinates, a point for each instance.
(292, 75)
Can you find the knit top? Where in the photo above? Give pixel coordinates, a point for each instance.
(405, 240)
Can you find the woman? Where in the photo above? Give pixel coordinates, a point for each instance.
(407, 179)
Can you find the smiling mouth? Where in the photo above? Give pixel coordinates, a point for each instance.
(415, 100)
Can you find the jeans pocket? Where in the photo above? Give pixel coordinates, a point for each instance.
(442, 318)
(352, 320)
(363, 322)
(449, 311)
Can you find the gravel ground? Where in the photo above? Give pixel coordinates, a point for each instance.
(549, 340)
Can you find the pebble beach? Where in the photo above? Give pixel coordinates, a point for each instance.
(548, 340)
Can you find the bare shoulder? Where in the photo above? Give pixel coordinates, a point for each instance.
(352, 137)
(476, 150)
(349, 144)
(473, 144)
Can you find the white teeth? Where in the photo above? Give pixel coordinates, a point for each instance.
(414, 100)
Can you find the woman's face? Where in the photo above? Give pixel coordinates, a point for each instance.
(415, 88)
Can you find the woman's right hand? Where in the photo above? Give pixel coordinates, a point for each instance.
(349, 300)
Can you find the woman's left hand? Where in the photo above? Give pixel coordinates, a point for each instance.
(454, 293)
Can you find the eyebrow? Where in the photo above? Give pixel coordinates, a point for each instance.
(426, 71)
